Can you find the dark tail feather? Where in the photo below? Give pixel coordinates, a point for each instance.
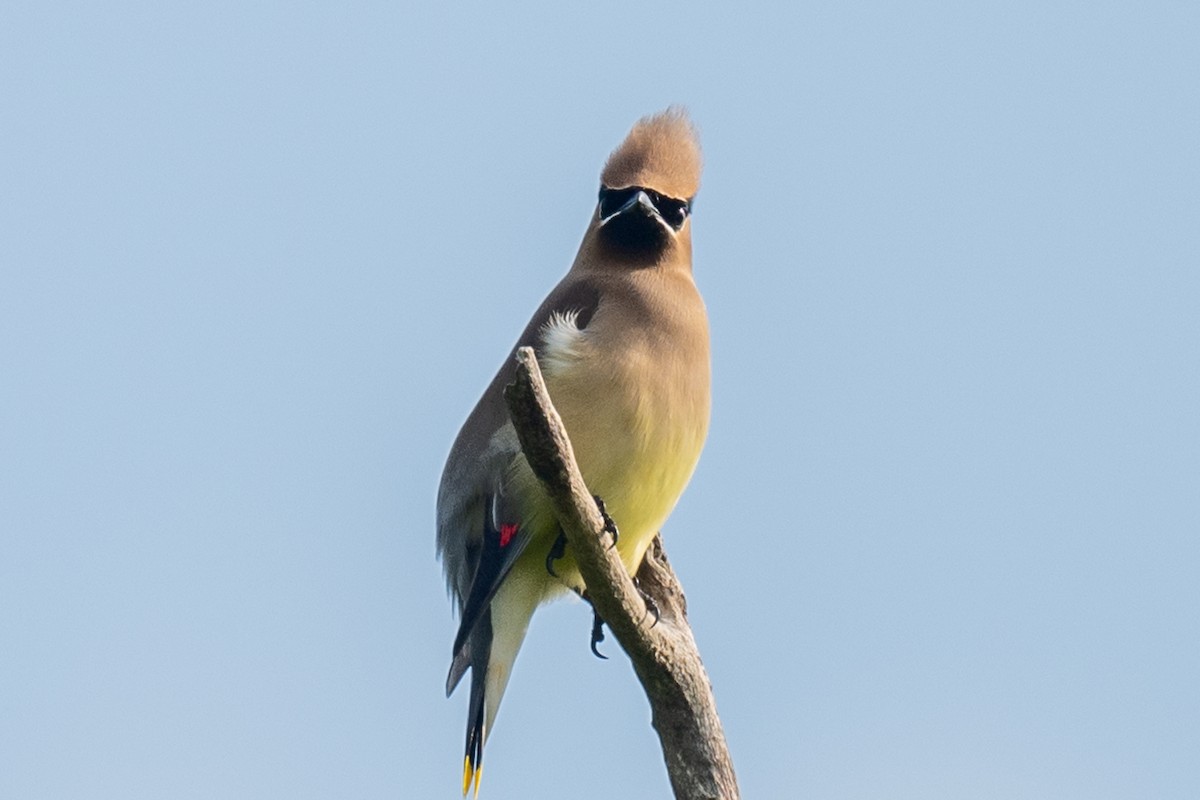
(480, 648)
(458, 668)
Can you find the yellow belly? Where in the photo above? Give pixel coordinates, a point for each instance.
(637, 446)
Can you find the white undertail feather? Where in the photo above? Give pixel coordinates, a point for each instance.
(512, 609)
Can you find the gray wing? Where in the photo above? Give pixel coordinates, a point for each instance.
(479, 458)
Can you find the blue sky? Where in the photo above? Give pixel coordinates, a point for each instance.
(257, 262)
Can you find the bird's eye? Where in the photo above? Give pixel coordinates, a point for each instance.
(673, 211)
(611, 200)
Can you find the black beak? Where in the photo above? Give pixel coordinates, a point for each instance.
(639, 203)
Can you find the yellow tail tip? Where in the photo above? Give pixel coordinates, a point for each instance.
(471, 776)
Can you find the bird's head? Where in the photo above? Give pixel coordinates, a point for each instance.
(647, 188)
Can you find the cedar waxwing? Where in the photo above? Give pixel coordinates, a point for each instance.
(623, 344)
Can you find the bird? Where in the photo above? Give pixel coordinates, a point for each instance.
(623, 345)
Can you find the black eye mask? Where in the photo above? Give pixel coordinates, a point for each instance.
(674, 212)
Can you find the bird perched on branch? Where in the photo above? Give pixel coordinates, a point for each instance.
(623, 345)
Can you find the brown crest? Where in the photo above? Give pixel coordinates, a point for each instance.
(660, 153)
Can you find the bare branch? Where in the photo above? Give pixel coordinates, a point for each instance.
(664, 655)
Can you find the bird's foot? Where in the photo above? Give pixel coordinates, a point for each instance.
(557, 551)
(609, 525)
(597, 634)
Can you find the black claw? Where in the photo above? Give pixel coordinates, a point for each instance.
(609, 525)
(651, 606)
(557, 551)
(597, 635)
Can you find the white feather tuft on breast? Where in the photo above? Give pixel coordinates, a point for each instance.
(562, 341)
